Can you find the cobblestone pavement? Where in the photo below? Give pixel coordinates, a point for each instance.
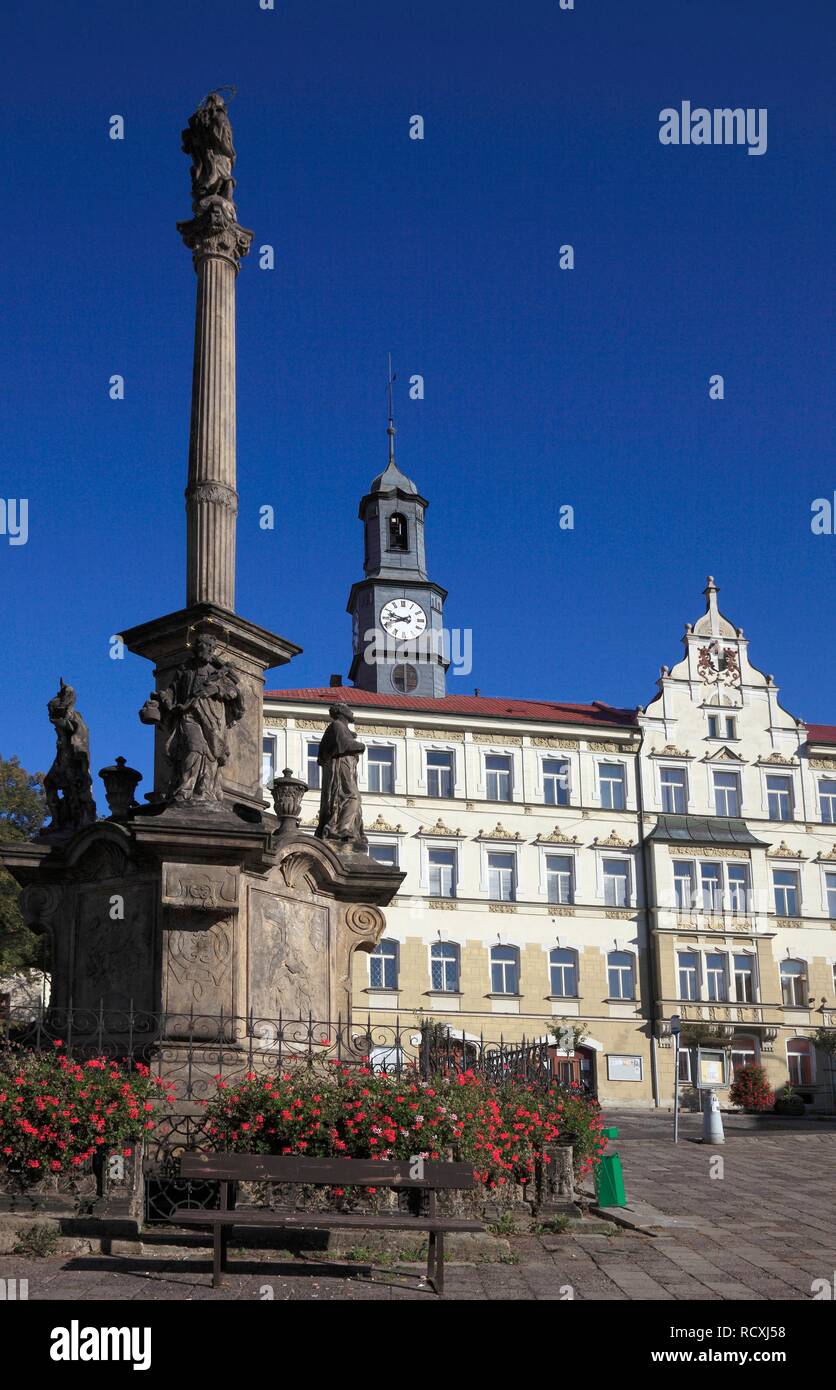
(764, 1230)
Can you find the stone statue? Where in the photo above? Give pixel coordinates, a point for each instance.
(340, 811)
(195, 711)
(208, 139)
(68, 786)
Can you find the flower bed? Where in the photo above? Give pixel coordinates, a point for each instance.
(58, 1115)
(504, 1129)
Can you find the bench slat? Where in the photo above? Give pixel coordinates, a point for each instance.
(313, 1221)
(325, 1172)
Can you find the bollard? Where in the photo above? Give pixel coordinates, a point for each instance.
(712, 1120)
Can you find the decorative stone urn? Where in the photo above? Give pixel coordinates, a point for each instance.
(120, 783)
(288, 792)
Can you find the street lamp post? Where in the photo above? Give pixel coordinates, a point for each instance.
(676, 1028)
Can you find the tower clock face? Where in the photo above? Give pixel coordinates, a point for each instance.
(403, 618)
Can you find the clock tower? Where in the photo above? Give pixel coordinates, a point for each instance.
(397, 613)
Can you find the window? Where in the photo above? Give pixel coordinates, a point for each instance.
(560, 878)
(794, 984)
(689, 975)
(398, 532)
(722, 726)
(738, 877)
(616, 883)
(505, 970)
(383, 966)
(313, 765)
(442, 873)
(744, 979)
(742, 1053)
(685, 1066)
(779, 798)
(621, 975)
(830, 887)
(440, 777)
(444, 967)
(384, 854)
(827, 799)
(683, 887)
(381, 769)
(497, 777)
(716, 979)
(674, 794)
(563, 973)
(555, 782)
(268, 759)
(611, 786)
(726, 794)
(404, 678)
(711, 884)
(800, 1061)
(785, 886)
(502, 887)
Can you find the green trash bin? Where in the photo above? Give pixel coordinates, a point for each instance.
(609, 1179)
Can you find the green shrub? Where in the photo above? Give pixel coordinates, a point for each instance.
(788, 1102)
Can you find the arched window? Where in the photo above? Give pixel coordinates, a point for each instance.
(621, 975)
(743, 1053)
(398, 532)
(794, 983)
(563, 972)
(444, 967)
(800, 1061)
(383, 966)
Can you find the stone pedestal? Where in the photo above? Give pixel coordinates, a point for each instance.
(212, 932)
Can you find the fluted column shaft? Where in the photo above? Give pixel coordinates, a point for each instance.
(211, 498)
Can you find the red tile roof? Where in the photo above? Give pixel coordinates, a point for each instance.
(821, 733)
(490, 707)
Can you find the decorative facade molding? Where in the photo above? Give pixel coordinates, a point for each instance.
(444, 735)
(826, 764)
(318, 724)
(502, 907)
(597, 746)
(613, 841)
(499, 833)
(220, 493)
(381, 824)
(442, 904)
(560, 910)
(791, 923)
(783, 851)
(829, 854)
(709, 851)
(622, 914)
(548, 741)
(384, 730)
(778, 760)
(670, 750)
(499, 739)
(275, 721)
(557, 837)
(723, 755)
(438, 829)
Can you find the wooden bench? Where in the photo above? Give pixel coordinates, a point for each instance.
(228, 1168)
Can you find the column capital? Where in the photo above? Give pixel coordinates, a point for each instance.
(215, 231)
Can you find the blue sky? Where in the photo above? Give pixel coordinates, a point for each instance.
(543, 387)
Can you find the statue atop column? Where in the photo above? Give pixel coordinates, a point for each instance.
(68, 786)
(340, 809)
(214, 229)
(203, 700)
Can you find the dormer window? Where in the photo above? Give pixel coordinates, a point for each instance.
(398, 532)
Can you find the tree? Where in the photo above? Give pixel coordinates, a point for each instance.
(22, 812)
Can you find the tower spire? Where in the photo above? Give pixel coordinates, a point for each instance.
(390, 429)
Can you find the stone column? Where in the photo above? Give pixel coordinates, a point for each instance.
(217, 243)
